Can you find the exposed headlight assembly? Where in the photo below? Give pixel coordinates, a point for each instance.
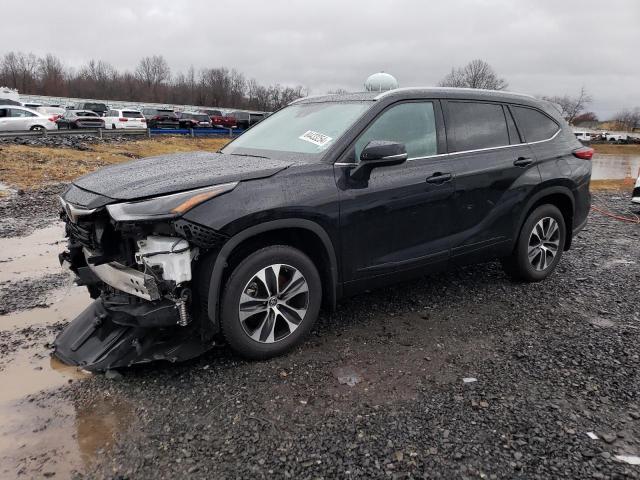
(167, 206)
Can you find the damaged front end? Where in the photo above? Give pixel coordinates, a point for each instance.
(139, 261)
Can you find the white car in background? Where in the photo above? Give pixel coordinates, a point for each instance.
(14, 118)
(584, 137)
(126, 118)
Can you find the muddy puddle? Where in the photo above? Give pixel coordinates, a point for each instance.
(43, 432)
(615, 167)
(35, 255)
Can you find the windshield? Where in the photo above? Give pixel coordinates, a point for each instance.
(308, 128)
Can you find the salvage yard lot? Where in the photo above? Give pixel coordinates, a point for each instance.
(551, 362)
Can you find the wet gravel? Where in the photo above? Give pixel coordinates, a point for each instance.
(31, 292)
(76, 142)
(27, 210)
(550, 362)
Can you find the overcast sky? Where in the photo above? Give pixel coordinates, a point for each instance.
(540, 47)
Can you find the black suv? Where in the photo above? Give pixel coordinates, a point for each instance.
(323, 199)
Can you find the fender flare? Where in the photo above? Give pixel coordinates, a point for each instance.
(545, 192)
(215, 284)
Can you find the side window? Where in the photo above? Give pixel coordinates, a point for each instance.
(474, 125)
(4, 112)
(413, 124)
(534, 125)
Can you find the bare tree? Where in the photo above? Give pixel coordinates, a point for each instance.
(627, 119)
(475, 74)
(153, 72)
(570, 107)
(52, 75)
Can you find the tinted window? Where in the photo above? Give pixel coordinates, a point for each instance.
(534, 125)
(472, 126)
(413, 124)
(3, 112)
(126, 114)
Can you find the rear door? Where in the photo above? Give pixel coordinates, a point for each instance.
(496, 172)
(21, 119)
(401, 218)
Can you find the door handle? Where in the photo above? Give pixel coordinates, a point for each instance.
(523, 161)
(439, 178)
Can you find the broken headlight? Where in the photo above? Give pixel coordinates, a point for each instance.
(167, 206)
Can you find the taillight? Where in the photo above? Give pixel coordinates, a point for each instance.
(143, 120)
(54, 118)
(123, 119)
(584, 153)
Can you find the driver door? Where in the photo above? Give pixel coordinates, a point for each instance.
(400, 219)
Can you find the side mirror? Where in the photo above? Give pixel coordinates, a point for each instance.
(378, 153)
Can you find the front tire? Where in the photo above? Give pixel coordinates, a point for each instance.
(37, 128)
(271, 302)
(539, 247)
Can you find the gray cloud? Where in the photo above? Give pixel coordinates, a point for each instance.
(540, 47)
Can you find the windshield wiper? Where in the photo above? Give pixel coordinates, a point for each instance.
(247, 155)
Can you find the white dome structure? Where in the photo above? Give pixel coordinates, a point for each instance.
(380, 82)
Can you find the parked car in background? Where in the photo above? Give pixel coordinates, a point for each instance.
(161, 118)
(218, 119)
(243, 119)
(183, 252)
(255, 118)
(99, 108)
(130, 118)
(73, 119)
(584, 137)
(635, 196)
(614, 137)
(16, 118)
(194, 120)
(55, 112)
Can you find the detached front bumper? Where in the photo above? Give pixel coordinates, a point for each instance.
(102, 338)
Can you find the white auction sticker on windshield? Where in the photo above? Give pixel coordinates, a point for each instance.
(316, 138)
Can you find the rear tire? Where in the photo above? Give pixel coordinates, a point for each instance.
(37, 128)
(271, 302)
(539, 247)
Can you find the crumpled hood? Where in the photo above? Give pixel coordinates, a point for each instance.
(176, 172)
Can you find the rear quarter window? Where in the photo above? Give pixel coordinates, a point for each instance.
(126, 114)
(475, 125)
(534, 125)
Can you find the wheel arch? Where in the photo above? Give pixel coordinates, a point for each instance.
(306, 235)
(559, 196)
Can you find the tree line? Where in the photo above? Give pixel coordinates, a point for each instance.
(151, 81)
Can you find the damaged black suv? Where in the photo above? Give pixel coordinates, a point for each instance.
(325, 198)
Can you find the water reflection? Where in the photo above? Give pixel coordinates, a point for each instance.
(615, 167)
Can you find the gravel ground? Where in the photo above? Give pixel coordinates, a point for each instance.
(30, 293)
(28, 210)
(77, 142)
(377, 391)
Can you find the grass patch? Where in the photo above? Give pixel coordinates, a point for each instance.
(606, 148)
(29, 167)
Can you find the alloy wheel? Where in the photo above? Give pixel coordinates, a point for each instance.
(544, 243)
(273, 303)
